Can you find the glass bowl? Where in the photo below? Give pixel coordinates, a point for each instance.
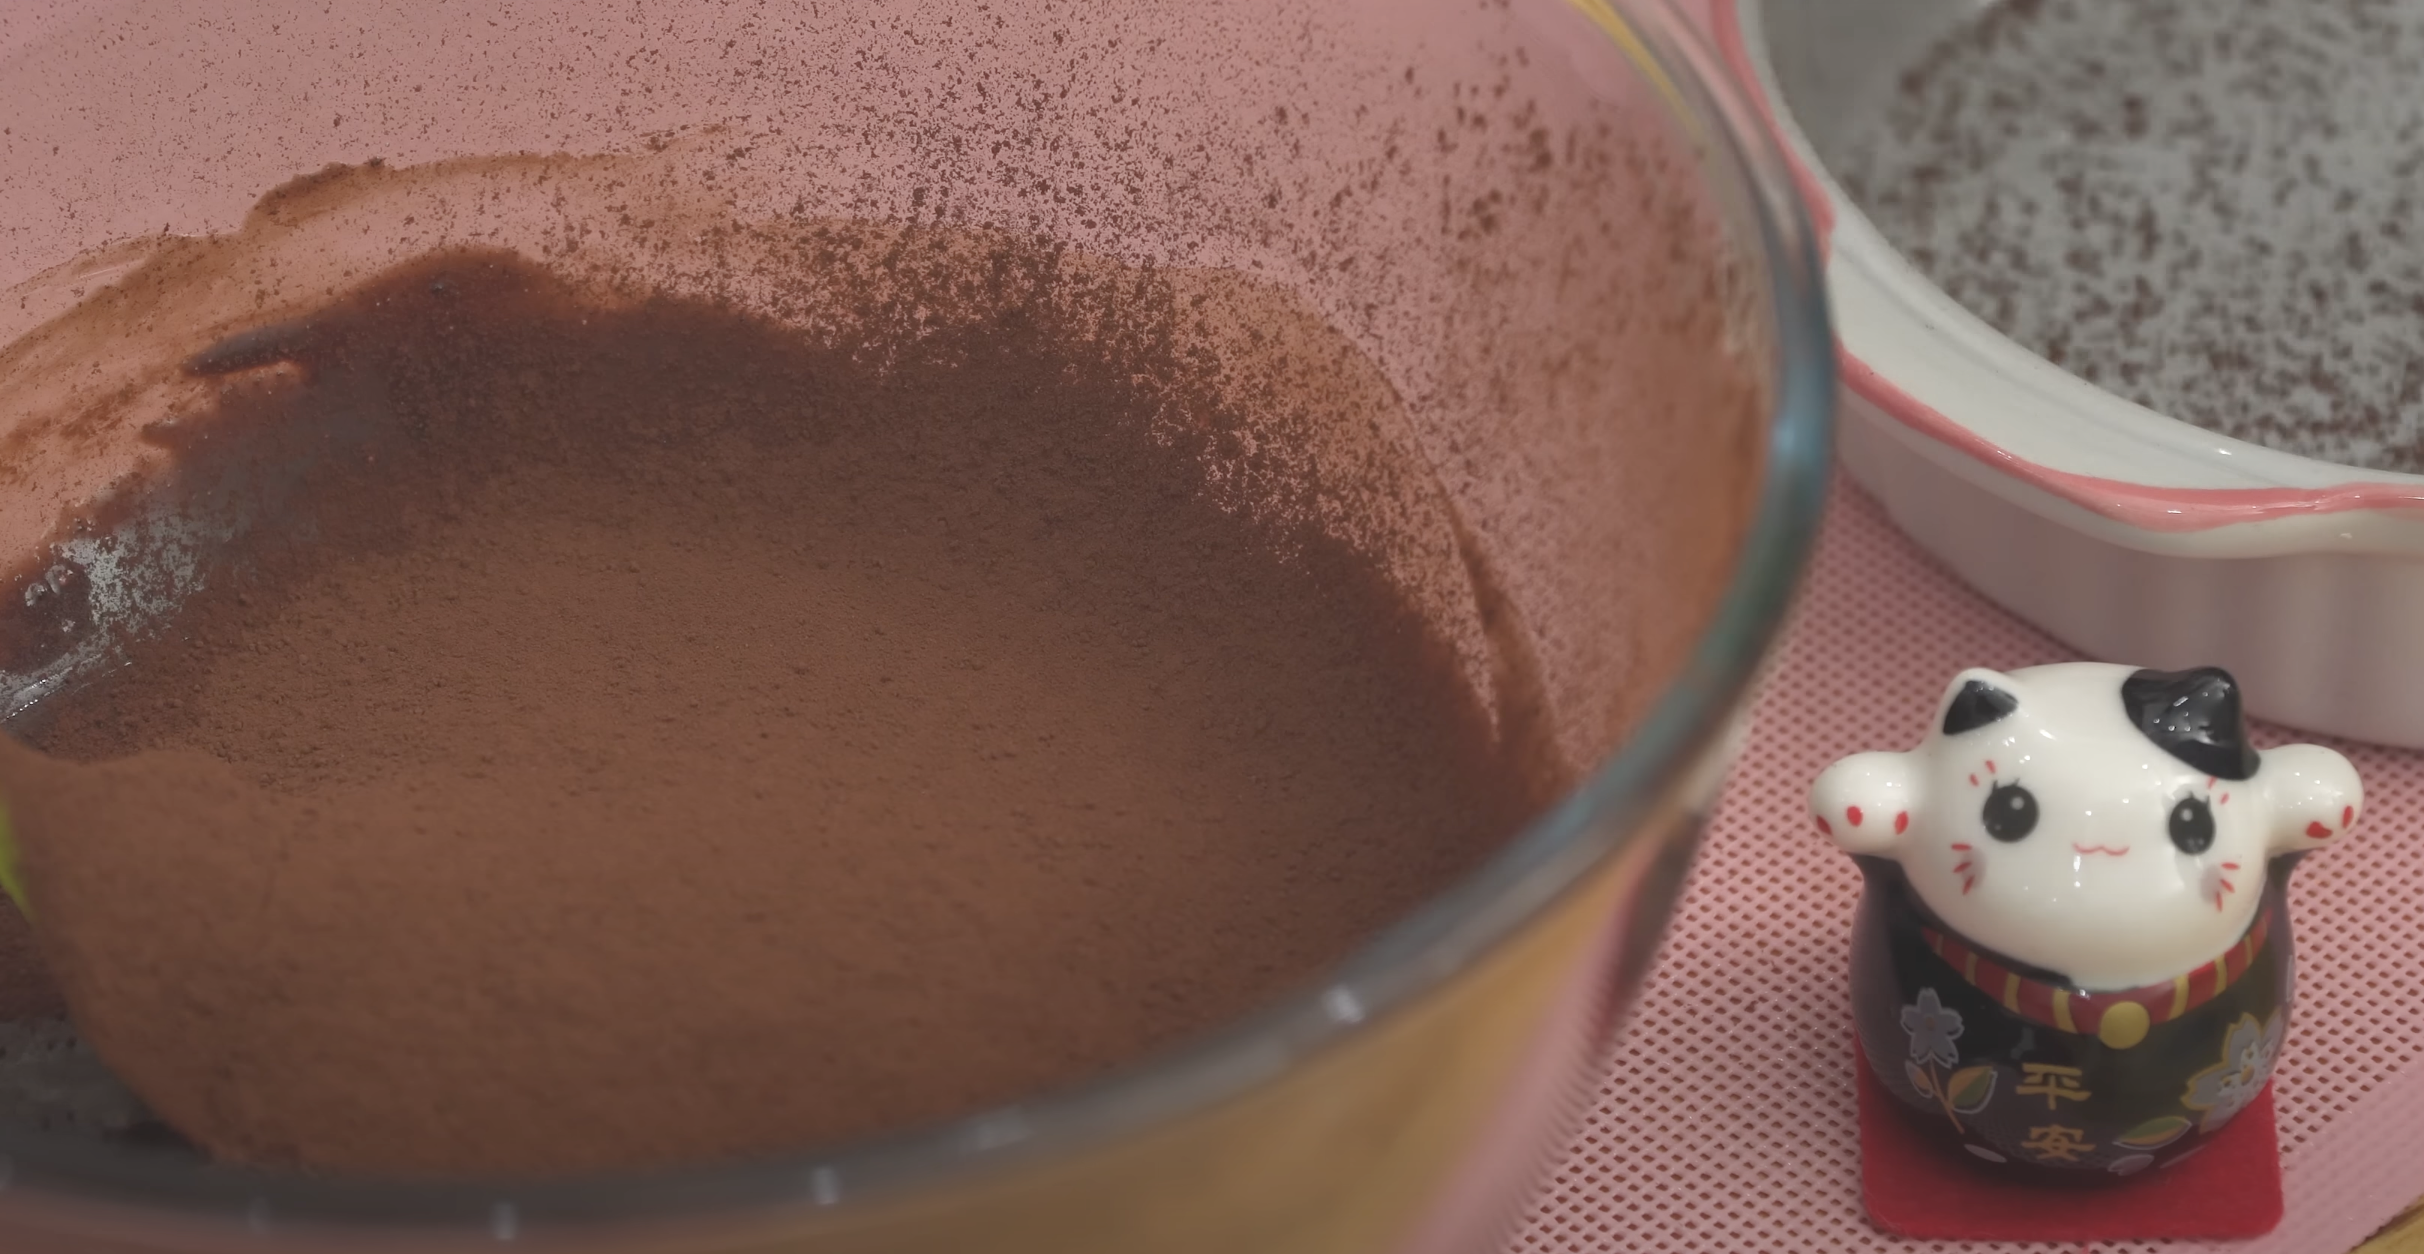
(1550, 224)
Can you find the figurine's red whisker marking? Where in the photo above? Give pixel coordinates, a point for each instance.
(1851, 814)
(2316, 831)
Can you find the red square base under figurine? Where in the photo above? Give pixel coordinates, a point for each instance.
(1913, 1188)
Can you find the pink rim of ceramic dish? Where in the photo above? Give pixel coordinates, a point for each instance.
(2144, 506)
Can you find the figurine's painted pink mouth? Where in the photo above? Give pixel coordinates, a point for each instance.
(2103, 849)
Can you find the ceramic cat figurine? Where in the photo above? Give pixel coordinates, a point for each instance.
(2073, 945)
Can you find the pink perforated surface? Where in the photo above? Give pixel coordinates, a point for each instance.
(1725, 1122)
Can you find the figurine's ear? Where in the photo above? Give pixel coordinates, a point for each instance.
(1976, 698)
(2313, 794)
(1865, 801)
(2193, 716)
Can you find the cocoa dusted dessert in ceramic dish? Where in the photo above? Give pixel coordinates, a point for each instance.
(2128, 318)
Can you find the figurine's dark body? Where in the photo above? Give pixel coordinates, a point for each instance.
(2174, 1064)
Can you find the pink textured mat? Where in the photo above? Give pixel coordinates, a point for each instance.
(1726, 1122)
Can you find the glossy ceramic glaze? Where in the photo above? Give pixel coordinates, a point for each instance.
(1355, 153)
(2112, 526)
(2073, 946)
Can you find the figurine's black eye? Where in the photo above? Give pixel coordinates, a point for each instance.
(2011, 812)
(2192, 825)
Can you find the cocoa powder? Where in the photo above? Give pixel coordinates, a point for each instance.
(651, 734)
(2204, 206)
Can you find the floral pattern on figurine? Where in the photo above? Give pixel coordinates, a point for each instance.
(2229, 1086)
(1933, 1029)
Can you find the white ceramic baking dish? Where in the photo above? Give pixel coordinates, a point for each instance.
(2130, 536)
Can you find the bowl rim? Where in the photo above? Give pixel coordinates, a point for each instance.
(1602, 818)
(2123, 463)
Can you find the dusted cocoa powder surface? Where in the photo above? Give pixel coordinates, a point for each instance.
(2206, 206)
(655, 735)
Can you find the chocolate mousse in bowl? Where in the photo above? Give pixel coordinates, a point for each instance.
(862, 627)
